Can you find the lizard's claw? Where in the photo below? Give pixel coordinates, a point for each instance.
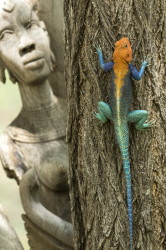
(151, 124)
(98, 48)
(148, 125)
(96, 115)
(145, 64)
(100, 117)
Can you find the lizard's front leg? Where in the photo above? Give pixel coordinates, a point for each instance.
(105, 112)
(140, 117)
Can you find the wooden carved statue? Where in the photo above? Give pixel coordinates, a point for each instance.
(32, 147)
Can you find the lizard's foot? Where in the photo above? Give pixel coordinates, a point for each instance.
(145, 125)
(97, 48)
(105, 112)
(140, 117)
(145, 64)
(101, 117)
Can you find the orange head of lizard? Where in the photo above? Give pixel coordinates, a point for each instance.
(123, 51)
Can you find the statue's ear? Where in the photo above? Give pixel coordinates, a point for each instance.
(2, 74)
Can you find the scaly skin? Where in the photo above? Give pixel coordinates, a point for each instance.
(118, 109)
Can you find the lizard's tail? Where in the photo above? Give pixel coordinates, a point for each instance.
(126, 167)
(123, 137)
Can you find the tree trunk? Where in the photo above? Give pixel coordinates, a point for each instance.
(97, 182)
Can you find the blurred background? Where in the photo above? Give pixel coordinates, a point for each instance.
(10, 104)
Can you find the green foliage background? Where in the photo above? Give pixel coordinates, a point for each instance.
(10, 105)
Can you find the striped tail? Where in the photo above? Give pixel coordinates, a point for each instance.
(122, 137)
(126, 167)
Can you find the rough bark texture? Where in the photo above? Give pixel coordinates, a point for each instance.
(97, 183)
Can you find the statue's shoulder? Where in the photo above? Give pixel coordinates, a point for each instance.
(11, 159)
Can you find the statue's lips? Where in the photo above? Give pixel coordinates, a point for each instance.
(33, 61)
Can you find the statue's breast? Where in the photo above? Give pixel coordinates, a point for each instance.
(50, 161)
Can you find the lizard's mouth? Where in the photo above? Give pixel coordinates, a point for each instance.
(128, 58)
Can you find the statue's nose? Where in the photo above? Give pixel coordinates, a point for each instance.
(26, 46)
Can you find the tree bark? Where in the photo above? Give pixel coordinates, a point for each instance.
(97, 182)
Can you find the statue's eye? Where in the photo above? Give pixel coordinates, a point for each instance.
(5, 33)
(33, 24)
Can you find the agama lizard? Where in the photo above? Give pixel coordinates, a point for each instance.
(118, 109)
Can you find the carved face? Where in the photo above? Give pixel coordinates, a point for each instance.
(123, 51)
(24, 45)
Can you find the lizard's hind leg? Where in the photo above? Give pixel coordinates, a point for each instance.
(105, 112)
(140, 117)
